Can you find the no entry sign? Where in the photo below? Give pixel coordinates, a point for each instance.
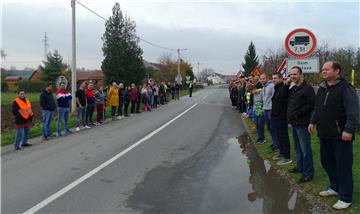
(300, 43)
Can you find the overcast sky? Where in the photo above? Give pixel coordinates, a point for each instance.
(216, 33)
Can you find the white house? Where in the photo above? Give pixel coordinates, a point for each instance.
(216, 78)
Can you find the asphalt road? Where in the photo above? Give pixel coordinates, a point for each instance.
(190, 156)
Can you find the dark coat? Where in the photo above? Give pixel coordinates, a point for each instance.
(301, 104)
(47, 101)
(336, 110)
(280, 101)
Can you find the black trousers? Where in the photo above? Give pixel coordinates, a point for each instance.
(113, 110)
(337, 159)
(281, 131)
(138, 106)
(126, 108)
(133, 105)
(155, 101)
(89, 113)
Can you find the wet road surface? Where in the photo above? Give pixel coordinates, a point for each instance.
(202, 162)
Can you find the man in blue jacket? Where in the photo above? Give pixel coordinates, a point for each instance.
(336, 116)
(47, 104)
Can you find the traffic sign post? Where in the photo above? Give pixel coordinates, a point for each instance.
(300, 43)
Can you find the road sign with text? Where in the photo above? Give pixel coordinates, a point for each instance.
(308, 65)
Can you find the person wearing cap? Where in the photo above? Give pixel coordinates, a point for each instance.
(21, 109)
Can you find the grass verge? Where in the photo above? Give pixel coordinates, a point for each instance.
(320, 181)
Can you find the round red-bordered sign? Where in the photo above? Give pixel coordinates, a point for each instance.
(302, 51)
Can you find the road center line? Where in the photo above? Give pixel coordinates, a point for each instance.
(70, 186)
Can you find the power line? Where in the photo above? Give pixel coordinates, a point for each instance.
(150, 43)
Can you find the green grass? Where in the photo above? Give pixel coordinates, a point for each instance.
(320, 180)
(8, 137)
(8, 97)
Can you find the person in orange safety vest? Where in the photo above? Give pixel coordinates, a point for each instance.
(23, 113)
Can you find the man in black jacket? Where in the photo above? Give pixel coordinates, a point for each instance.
(279, 105)
(48, 106)
(300, 106)
(336, 116)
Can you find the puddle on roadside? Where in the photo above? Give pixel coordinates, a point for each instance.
(244, 182)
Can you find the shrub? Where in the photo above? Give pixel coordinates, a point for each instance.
(31, 86)
(4, 86)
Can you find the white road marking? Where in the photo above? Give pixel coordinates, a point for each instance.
(67, 188)
(205, 96)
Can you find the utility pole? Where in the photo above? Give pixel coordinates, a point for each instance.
(198, 73)
(73, 63)
(178, 78)
(46, 45)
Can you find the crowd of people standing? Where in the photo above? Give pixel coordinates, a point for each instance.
(283, 102)
(124, 101)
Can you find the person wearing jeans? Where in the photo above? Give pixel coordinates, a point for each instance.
(47, 104)
(63, 113)
(63, 97)
(336, 117)
(267, 94)
(258, 113)
(80, 117)
(304, 157)
(300, 106)
(21, 109)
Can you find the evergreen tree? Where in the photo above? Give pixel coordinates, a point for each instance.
(53, 67)
(251, 59)
(190, 73)
(123, 57)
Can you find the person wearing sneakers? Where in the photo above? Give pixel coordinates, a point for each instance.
(336, 117)
(80, 106)
(48, 106)
(258, 113)
(267, 93)
(278, 116)
(63, 97)
(300, 106)
(21, 108)
(90, 99)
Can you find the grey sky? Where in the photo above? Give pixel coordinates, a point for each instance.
(216, 33)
